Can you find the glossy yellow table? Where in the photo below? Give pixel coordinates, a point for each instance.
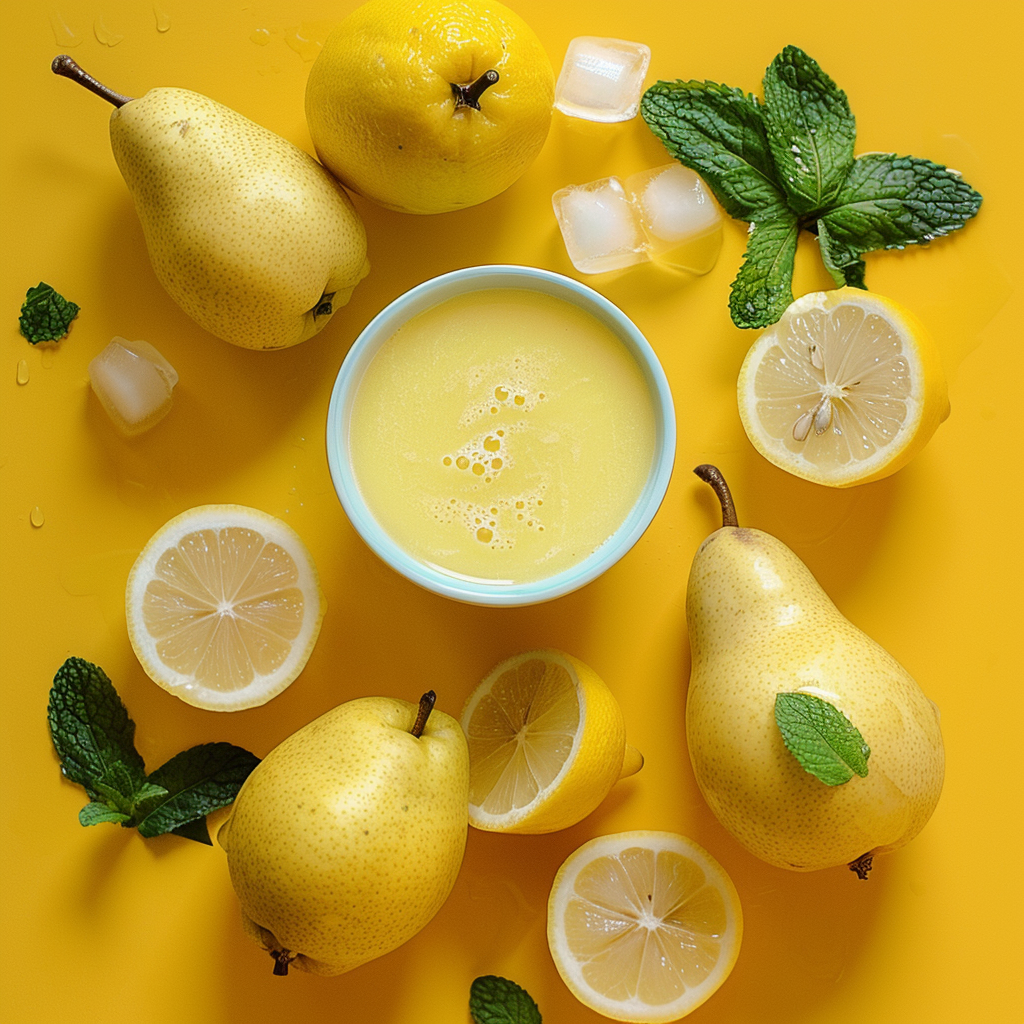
(101, 926)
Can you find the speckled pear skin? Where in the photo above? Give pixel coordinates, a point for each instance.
(245, 231)
(348, 837)
(760, 625)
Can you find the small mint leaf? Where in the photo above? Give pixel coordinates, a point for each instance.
(764, 286)
(91, 730)
(719, 133)
(821, 738)
(810, 129)
(197, 781)
(45, 315)
(96, 813)
(890, 202)
(494, 1000)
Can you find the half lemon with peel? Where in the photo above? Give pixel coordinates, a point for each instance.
(547, 741)
(224, 607)
(643, 926)
(846, 388)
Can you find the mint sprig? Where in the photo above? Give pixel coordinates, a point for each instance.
(787, 165)
(821, 738)
(95, 740)
(45, 315)
(494, 1000)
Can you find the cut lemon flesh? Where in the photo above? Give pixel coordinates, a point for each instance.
(546, 743)
(846, 388)
(643, 926)
(224, 607)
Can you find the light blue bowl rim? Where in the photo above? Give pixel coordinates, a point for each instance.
(430, 293)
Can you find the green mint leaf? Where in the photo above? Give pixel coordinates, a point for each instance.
(97, 813)
(91, 731)
(494, 1000)
(197, 781)
(764, 286)
(821, 738)
(45, 315)
(194, 830)
(810, 129)
(889, 202)
(719, 133)
(846, 267)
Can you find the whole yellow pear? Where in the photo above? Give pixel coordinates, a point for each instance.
(426, 106)
(761, 625)
(347, 838)
(247, 233)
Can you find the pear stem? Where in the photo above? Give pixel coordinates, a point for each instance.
(64, 65)
(713, 475)
(426, 706)
(469, 95)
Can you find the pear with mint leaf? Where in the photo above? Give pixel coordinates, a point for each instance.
(813, 746)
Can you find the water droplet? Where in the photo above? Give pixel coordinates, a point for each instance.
(491, 444)
(500, 393)
(63, 34)
(446, 461)
(260, 36)
(478, 469)
(163, 19)
(22, 371)
(496, 463)
(462, 462)
(36, 517)
(105, 35)
(484, 535)
(519, 400)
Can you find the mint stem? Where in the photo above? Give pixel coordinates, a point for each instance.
(64, 65)
(713, 475)
(426, 706)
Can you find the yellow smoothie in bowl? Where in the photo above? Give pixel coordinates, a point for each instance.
(501, 435)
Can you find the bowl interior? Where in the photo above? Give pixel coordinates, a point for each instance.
(423, 297)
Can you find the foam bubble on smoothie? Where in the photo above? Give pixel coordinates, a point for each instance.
(495, 524)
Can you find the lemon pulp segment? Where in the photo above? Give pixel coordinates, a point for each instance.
(522, 734)
(224, 607)
(845, 388)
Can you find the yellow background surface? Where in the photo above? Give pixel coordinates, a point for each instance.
(101, 926)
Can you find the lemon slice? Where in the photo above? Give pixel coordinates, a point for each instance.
(643, 926)
(846, 388)
(546, 743)
(224, 607)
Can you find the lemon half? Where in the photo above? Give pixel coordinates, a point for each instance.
(846, 388)
(547, 742)
(224, 607)
(643, 926)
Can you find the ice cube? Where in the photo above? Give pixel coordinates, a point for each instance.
(682, 222)
(602, 79)
(600, 226)
(133, 381)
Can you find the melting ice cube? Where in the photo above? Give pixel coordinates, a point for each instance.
(133, 382)
(602, 79)
(600, 226)
(682, 222)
